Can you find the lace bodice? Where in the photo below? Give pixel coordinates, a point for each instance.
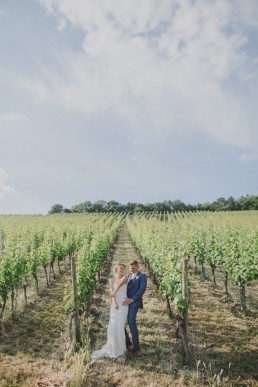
(120, 294)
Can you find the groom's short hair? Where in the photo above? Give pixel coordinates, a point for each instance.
(134, 262)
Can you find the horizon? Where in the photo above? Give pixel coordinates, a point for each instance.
(130, 202)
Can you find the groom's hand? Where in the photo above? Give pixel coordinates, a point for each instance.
(127, 301)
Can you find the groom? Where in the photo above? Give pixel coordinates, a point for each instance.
(136, 287)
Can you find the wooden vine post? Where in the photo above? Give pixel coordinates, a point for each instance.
(186, 302)
(51, 262)
(76, 301)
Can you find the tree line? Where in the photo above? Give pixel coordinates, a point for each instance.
(248, 202)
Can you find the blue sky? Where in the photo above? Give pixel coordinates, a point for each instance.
(128, 100)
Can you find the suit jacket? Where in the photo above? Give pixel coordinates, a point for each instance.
(136, 288)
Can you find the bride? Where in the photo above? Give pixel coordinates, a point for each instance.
(115, 345)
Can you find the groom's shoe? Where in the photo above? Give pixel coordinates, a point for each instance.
(135, 352)
(129, 347)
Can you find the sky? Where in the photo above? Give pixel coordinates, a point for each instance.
(133, 101)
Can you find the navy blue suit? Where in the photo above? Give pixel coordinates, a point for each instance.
(135, 290)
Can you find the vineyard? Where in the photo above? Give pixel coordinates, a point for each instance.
(186, 255)
(220, 240)
(29, 244)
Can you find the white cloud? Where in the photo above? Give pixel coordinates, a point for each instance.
(9, 118)
(131, 17)
(39, 88)
(2, 12)
(5, 189)
(3, 176)
(61, 24)
(246, 13)
(164, 66)
(245, 157)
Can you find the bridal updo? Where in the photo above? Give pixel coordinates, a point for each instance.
(116, 267)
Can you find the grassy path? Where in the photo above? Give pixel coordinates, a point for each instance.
(223, 339)
(33, 345)
(159, 361)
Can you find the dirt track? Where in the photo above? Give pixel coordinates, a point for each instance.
(160, 358)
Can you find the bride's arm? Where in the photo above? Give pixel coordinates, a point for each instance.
(112, 292)
(122, 281)
(111, 285)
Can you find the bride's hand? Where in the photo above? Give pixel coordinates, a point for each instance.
(117, 306)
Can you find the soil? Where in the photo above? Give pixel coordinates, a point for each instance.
(34, 342)
(160, 359)
(221, 335)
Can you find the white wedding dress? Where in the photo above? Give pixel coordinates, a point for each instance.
(115, 345)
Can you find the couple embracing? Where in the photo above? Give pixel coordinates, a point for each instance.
(126, 293)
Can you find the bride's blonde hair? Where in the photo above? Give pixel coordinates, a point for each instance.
(116, 267)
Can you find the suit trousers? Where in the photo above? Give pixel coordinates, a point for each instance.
(132, 312)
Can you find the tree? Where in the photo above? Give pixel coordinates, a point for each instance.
(77, 208)
(100, 206)
(113, 206)
(83, 207)
(139, 207)
(130, 207)
(248, 202)
(178, 205)
(56, 209)
(87, 206)
(219, 205)
(231, 205)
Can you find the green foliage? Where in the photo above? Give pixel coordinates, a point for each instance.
(30, 242)
(227, 241)
(162, 249)
(221, 204)
(56, 209)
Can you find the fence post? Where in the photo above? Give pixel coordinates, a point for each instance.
(185, 293)
(51, 260)
(185, 312)
(76, 301)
